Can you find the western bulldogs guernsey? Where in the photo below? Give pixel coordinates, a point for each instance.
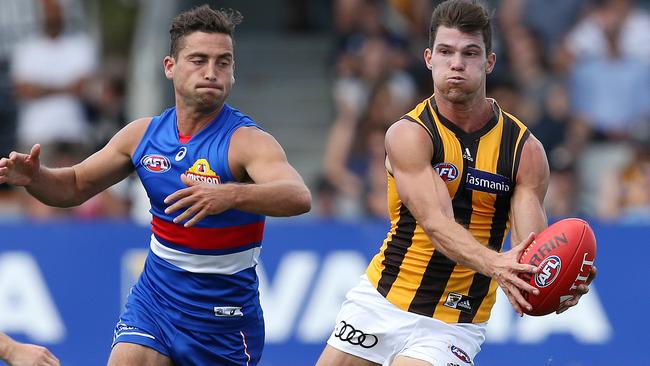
(200, 278)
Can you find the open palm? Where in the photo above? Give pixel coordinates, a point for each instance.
(20, 169)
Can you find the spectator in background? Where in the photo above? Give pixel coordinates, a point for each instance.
(550, 19)
(610, 94)
(415, 15)
(609, 78)
(19, 354)
(366, 23)
(625, 195)
(17, 21)
(376, 87)
(49, 72)
(622, 19)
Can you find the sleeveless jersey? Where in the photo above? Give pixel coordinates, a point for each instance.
(204, 276)
(479, 169)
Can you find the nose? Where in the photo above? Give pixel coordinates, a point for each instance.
(456, 62)
(210, 75)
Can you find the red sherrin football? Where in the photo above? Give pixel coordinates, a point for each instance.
(564, 254)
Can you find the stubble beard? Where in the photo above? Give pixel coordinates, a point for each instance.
(456, 95)
(206, 103)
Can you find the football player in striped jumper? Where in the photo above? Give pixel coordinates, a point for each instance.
(461, 172)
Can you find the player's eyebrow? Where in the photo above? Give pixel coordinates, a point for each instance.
(471, 45)
(227, 55)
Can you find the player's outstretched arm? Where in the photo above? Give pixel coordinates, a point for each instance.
(71, 186)
(409, 151)
(527, 206)
(271, 185)
(19, 354)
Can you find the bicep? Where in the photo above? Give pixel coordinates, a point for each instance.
(409, 150)
(256, 155)
(527, 205)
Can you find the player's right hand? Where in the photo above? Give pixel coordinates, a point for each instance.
(20, 354)
(505, 270)
(20, 169)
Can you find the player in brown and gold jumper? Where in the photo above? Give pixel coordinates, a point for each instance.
(461, 173)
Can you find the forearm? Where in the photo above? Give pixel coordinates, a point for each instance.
(458, 244)
(56, 187)
(280, 198)
(5, 345)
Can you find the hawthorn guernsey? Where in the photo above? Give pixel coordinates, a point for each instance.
(226, 245)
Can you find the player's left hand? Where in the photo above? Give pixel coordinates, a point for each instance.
(21, 354)
(200, 198)
(578, 292)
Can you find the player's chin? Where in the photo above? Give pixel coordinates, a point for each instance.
(456, 94)
(209, 102)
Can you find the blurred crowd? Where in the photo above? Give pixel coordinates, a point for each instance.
(576, 72)
(56, 90)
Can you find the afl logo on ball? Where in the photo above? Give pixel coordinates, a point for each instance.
(155, 163)
(549, 269)
(446, 171)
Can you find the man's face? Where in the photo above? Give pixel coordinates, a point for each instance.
(203, 70)
(458, 64)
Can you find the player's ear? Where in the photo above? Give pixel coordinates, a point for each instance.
(427, 58)
(491, 61)
(168, 64)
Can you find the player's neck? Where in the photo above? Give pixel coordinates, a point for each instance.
(191, 120)
(470, 116)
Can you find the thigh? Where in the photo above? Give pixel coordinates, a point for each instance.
(241, 347)
(408, 361)
(436, 343)
(129, 354)
(369, 327)
(333, 357)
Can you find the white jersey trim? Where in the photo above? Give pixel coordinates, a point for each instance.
(226, 264)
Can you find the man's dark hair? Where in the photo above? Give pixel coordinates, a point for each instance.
(202, 19)
(468, 16)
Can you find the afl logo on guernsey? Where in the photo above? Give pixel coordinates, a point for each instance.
(155, 163)
(446, 171)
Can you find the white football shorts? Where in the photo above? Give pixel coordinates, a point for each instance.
(370, 327)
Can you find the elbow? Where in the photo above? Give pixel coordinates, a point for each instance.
(303, 202)
(69, 203)
(299, 203)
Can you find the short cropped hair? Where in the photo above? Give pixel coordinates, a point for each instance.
(468, 16)
(202, 19)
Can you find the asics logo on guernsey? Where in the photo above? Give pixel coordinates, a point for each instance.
(347, 333)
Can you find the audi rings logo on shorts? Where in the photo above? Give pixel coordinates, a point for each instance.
(347, 333)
